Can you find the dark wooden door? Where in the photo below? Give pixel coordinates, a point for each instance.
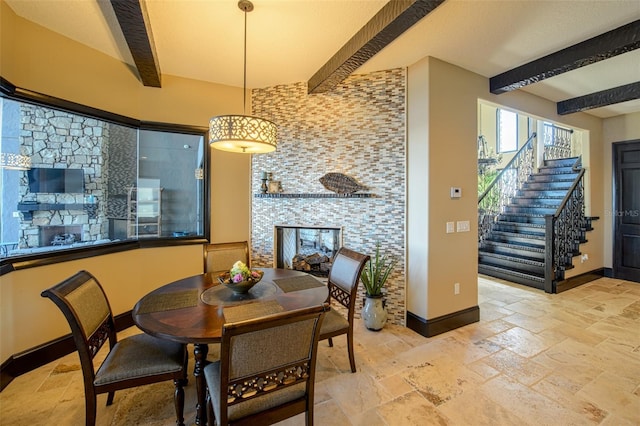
(626, 210)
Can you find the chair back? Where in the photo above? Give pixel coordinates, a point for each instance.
(220, 257)
(344, 277)
(268, 355)
(86, 307)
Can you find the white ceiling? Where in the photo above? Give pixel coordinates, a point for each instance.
(289, 40)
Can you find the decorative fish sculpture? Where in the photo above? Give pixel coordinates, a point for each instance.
(341, 183)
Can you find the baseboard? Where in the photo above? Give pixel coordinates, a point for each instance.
(439, 325)
(578, 280)
(38, 356)
(608, 272)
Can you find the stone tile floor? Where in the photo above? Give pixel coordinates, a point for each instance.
(533, 359)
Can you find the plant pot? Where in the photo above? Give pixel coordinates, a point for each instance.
(374, 314)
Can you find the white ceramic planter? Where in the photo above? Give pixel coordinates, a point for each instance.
(374, 314)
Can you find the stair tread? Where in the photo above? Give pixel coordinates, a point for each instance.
(519, 234)
(520, 224)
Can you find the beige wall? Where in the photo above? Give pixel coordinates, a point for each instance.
(615, 129)
(34, 58)
(28, 320)
(442, 137)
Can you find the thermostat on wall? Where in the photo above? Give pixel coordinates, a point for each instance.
(456, 192)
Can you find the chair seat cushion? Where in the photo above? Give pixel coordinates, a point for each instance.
(252, 406)
(333, 322)
(140, 355)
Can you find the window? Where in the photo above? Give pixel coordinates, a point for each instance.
(95, 182)
(507, 130)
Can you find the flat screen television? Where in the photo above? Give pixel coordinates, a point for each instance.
(56, 180)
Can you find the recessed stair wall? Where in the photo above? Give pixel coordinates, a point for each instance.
(526, 242)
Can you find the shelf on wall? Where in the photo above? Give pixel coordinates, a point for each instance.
(28, 208)
(312, 195)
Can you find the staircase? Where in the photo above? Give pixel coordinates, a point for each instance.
(514, 248)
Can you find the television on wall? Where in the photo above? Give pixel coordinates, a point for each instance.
(56, 180)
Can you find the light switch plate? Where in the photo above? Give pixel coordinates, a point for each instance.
(456, 192)
(450, 228)
(462, 226)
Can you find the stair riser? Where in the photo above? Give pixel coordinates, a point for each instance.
(564, 177)
(519, 228)
(556, 170)
(509, 251)
(512, 265)
(515, 239)
(521, 219)
(542, 193)
(509, 277)
(529, 210)
(524, 201)
(561, 162)
(546, 185)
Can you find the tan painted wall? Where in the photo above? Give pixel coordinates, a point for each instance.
(446, 127)
(28, 320)
(37, 59)
(615, 129)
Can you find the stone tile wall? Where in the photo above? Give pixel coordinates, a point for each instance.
(57, 139)
(357, 129)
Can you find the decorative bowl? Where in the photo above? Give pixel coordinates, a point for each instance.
(241, 287)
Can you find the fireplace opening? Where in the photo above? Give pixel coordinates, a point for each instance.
(60, 235)
(307, 249)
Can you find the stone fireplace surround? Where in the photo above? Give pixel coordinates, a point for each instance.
(357, 129)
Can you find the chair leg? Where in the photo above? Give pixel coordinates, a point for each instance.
(330, 342)
(90, 402)
(352, 358)
(178, 400)
(211, 418)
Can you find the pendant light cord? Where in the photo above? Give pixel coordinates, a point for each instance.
(244, 90)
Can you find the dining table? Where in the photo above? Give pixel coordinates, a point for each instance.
(193, 310)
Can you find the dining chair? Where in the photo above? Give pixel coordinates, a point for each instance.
(266, 371)
(344, 277)
(137, 360)
(220, 257)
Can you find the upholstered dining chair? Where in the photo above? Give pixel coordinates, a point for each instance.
(344, 278)
(133, 361)
(220, 257)
(266, 371)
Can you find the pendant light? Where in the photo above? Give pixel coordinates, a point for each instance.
(243, 133)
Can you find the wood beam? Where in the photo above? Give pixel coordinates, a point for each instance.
(619, 94)
(134, 22)
(615, 42)
(389, 23)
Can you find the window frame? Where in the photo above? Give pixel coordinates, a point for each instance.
(13, 263)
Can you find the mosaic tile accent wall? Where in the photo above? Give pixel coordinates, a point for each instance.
(357, 129)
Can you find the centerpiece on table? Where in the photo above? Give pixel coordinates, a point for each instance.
(240, 278)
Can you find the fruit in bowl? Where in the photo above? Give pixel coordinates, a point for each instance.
(240, 278)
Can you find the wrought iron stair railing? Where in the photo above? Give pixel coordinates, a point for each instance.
(504, 187)
(565, 231)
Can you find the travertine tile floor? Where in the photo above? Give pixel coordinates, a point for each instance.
(533, 359)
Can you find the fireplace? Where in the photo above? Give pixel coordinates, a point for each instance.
(306, 248)
(60, 235)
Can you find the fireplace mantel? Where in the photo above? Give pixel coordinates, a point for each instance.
(27, 209)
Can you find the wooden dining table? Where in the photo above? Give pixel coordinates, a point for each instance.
(193, 310)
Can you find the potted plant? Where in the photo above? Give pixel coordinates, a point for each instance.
(374, 276)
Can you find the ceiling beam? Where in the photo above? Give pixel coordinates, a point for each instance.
(619, 94)
(134, 22)
(389, 23)
(615, 42)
